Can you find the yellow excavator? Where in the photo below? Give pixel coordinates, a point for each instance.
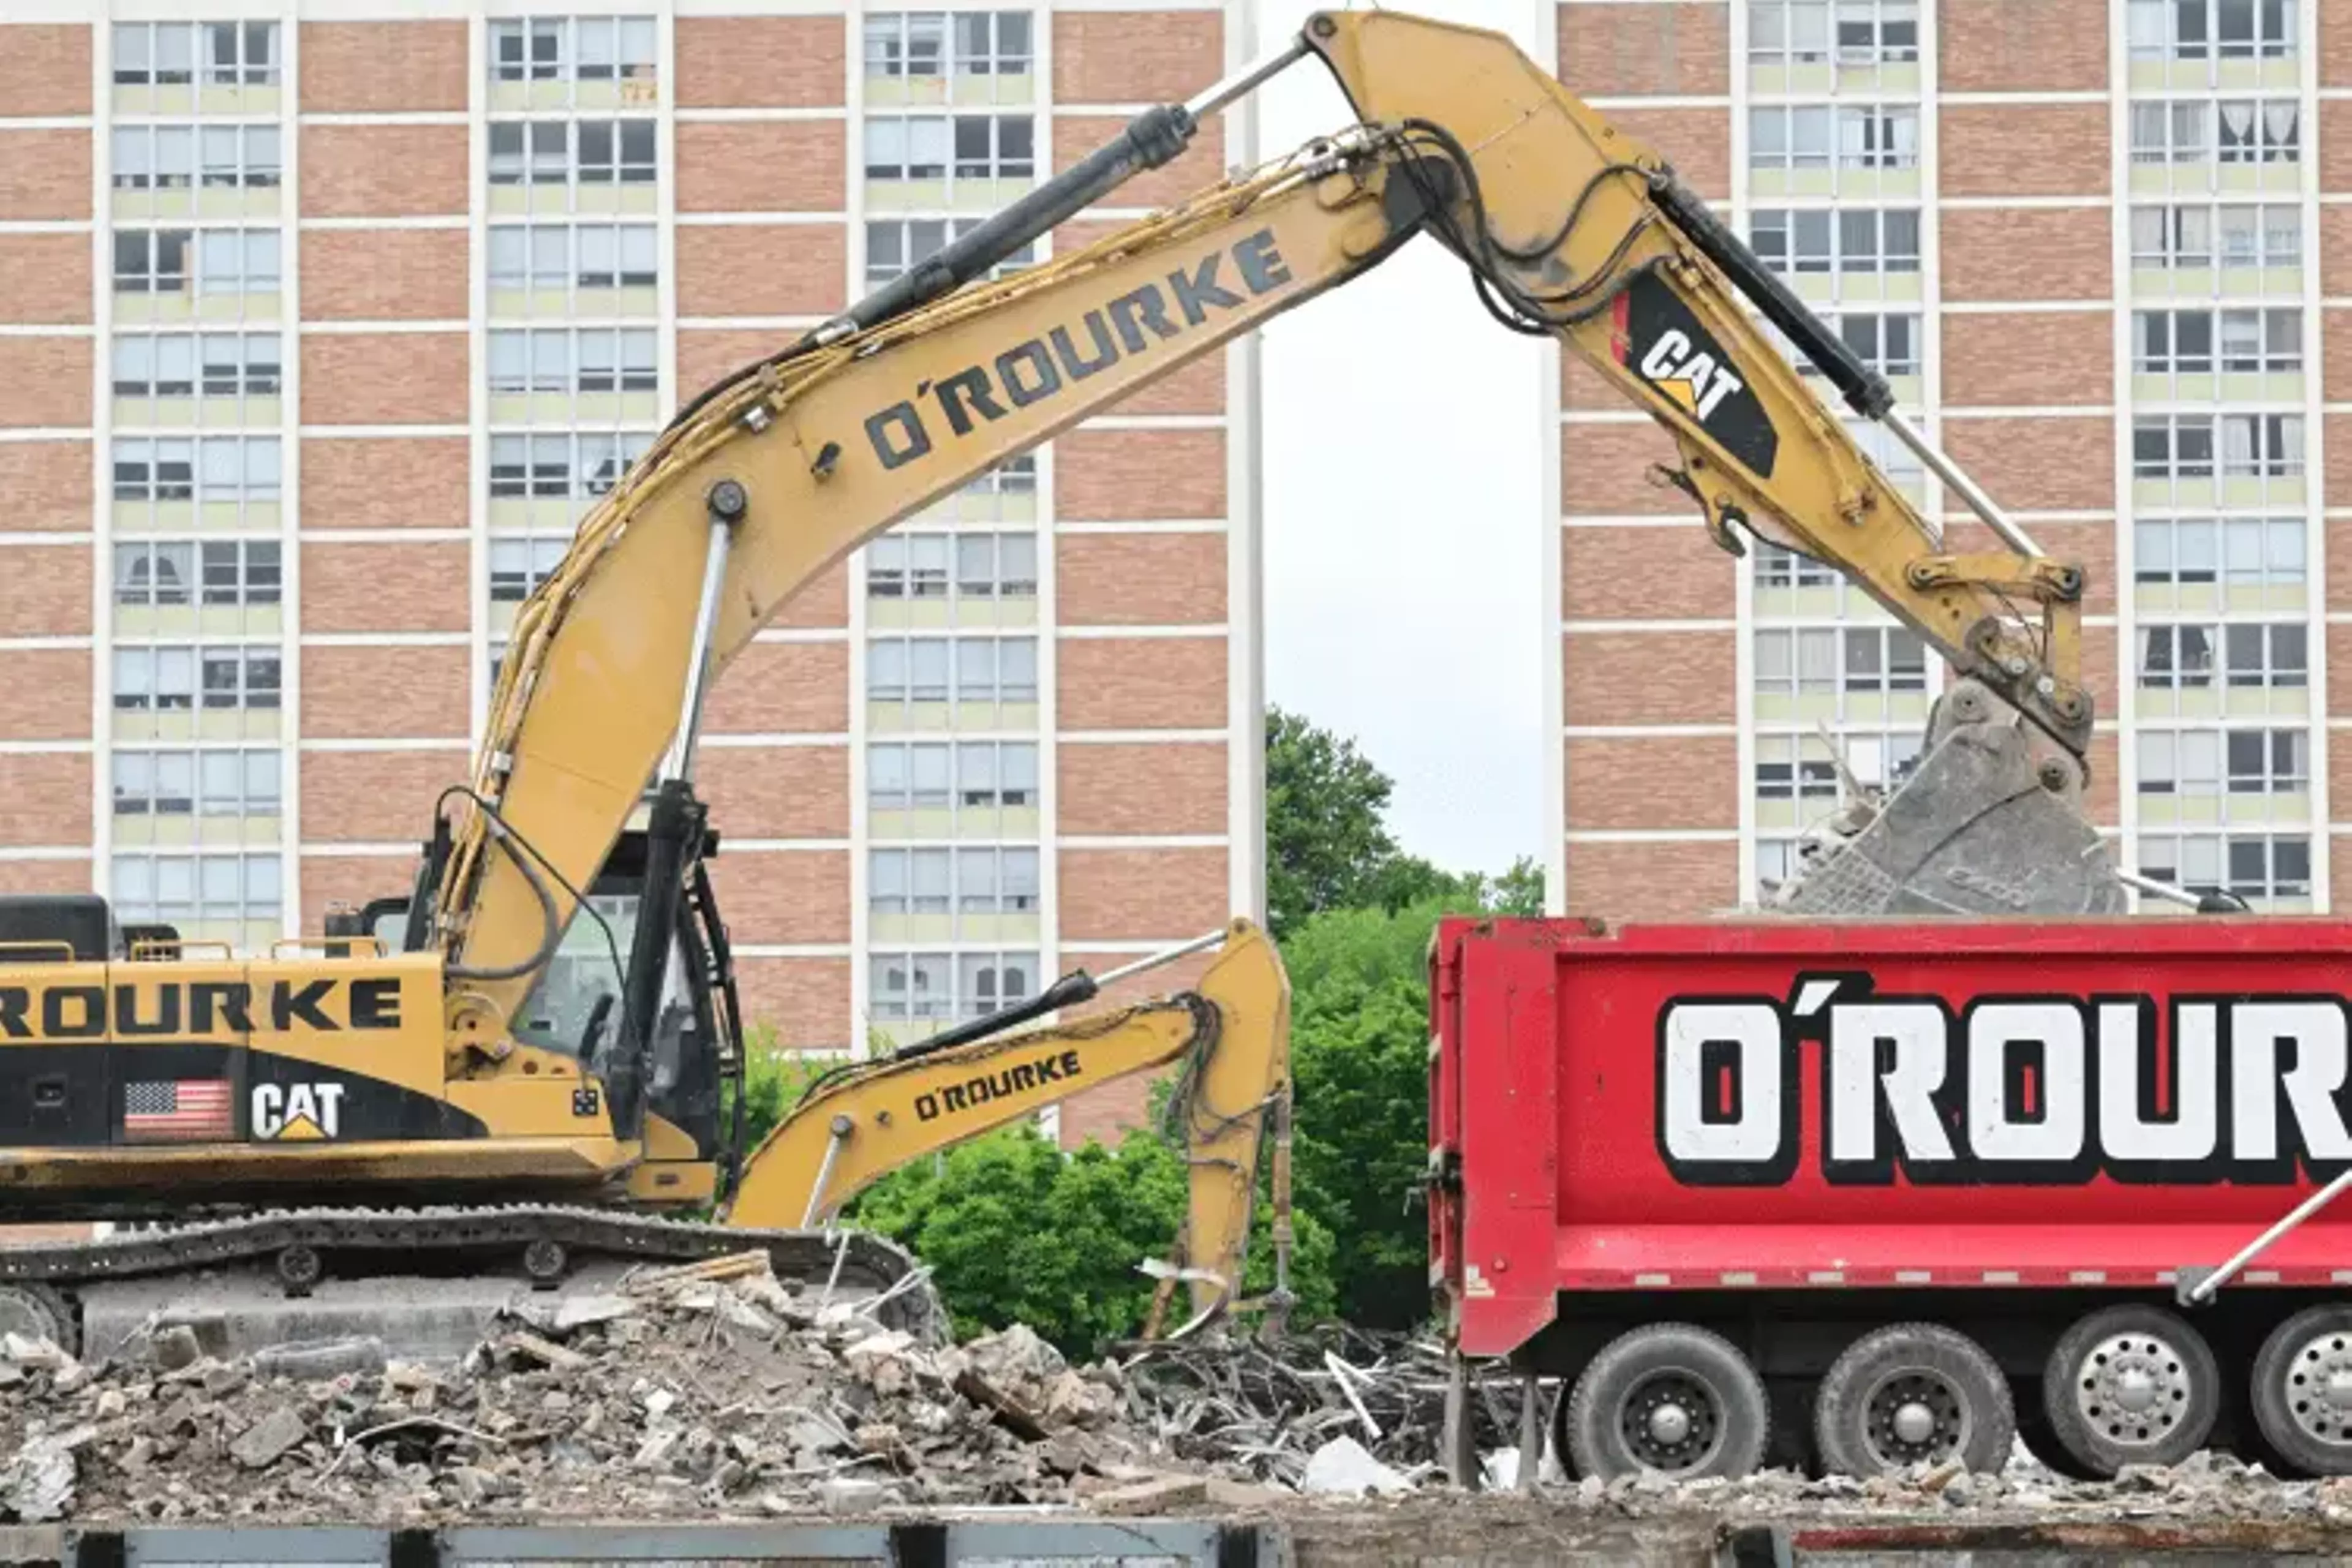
(425, 1090)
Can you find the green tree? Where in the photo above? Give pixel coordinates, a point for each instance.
(1016, 1230)
(1359, 1065)
(1327, 846)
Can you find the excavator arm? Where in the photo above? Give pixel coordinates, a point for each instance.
(1231, 1034)
(1570, 227)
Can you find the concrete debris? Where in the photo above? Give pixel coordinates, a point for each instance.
(708, 1391)
(720, 1392)
(1344, 1468)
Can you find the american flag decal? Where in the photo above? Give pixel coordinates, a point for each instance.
(185, 1110)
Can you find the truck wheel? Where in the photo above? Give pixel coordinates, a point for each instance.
(1669, 1400)
(2302, 1390)
(1909, 1394)
(2131, 1385)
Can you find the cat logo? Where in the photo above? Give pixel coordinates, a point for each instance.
(1655, 336)
(1689, 375)
(297, 1112)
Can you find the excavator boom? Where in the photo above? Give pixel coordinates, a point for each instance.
(1569, 227)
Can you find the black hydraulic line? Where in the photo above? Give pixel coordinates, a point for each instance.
(1152, 139)
(1866, 390)
(1068, 992)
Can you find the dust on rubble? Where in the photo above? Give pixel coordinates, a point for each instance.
(705, 1390)
(713, 1390)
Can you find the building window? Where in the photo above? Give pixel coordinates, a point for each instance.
(152, 576)
(205, 468)
(2268, 762)
(1804, 32)
(1861, 136)
(913, 44)
(164, 53)
(221, 364)
(1852, 240)
(2253, 341)
(240, 572)
(2196, 237)
(2209, 761)
(157, 575)
(1013, 476)
(2212, 29)
(2273, 655)
(177, 888)
(894, 244)
(572, 152)
(990, 566)
(906, 669)
(200, 783)
(1781, 568)
(986, 880)
(938, 775)
(518, 567)
(1889, 344)
(240, 677)
(219, 260)
(996, 669)
(574, 48)
(2244, 552)
(928, 146)
(2182, 445)
(910, 987)
(573, 464)
(175, 157)
(1787, 136)
(164, 679)
(2201, 131)
(976, 669)
(1795, 768)
(1823, 661)
(572, 359)
(2251, 866)
(559, 257)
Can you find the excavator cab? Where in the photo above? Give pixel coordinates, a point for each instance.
(576, 1006)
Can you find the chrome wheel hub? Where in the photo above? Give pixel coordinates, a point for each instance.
(2319, 1388)
(2133, 1389)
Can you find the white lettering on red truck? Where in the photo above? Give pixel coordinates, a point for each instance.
(2003, 1090)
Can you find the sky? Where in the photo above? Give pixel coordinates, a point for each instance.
(1403, 531)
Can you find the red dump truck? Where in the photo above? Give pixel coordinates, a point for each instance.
(1859, 1197)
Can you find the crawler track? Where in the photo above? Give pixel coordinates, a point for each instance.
(432, 1239)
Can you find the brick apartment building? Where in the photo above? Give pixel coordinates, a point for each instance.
(2104, 250)
(322, 323)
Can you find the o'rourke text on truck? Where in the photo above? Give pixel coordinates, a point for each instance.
(1858, 1196)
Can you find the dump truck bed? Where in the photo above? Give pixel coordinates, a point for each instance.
(1770, 1105)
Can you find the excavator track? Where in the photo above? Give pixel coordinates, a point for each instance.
(854, 1263)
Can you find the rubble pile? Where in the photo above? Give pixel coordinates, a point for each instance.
(1270, 1409)
(702, 1390)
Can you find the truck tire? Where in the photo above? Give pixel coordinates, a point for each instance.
(2131, 1385)
(1669, 1400)
(2301, 1389)
(1914, 1392)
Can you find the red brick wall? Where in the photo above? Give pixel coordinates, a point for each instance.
(353, 68)
(1130, 787)
(1681, 49)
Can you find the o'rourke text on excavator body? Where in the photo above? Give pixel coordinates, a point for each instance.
(533, 1058)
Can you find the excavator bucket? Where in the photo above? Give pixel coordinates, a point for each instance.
(1989, 824)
